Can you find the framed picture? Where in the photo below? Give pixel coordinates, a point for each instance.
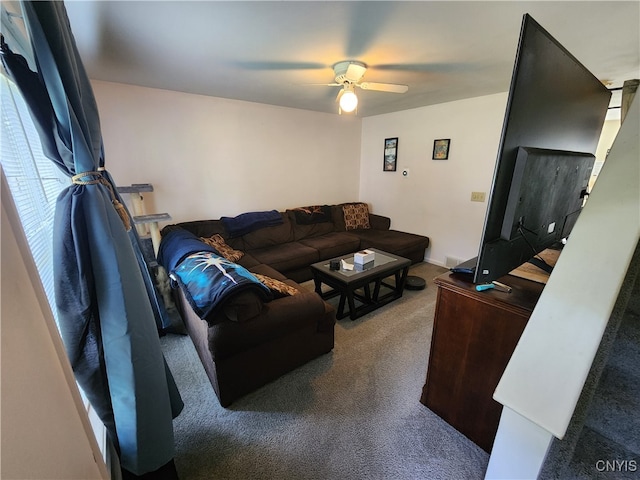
(390, 154)
(441, 149)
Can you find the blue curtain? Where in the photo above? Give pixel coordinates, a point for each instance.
(105, 316)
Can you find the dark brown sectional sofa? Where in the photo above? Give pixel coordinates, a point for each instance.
(249, 342)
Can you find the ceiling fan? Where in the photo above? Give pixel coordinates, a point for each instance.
(348, 75)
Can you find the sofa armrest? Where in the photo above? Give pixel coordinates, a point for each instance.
(379, 222)
(278, 318)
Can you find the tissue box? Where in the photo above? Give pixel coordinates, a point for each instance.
(364, 256)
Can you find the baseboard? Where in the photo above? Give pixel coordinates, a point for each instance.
(434, 262)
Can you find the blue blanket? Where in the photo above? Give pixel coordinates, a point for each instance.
(248, 222)
(207, 279)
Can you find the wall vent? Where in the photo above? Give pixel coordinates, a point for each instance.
(452, 261)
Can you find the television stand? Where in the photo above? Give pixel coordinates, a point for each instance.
(474, 335)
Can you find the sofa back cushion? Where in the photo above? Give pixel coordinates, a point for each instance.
(206, 229)
(311, 214)
(200, 228)
(268, 236)
(306, 231)
(314, 226)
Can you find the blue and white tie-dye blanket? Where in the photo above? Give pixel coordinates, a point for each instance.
(206, 278)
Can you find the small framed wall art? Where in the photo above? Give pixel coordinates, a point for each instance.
(390, 154)
(441, 149)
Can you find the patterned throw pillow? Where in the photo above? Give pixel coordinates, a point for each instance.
(356, 215)
(276, 286)
(216, 241)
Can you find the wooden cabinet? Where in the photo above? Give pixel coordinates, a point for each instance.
(474, 335)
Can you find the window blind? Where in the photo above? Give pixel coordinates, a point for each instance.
(34, 180)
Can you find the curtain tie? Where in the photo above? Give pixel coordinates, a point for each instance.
(98, 178)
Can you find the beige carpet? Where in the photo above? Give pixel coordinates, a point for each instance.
(351, 414)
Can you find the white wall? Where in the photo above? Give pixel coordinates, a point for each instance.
(207, 157)
(609, 131)
(435, 198)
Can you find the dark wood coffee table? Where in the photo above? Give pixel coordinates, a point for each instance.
(356, 284)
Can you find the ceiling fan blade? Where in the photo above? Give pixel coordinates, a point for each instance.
(383, 87)
(260, 65)
(355, 72)
(367, 21)
(322, 84)
(425, 67)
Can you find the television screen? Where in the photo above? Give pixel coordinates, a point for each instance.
(554, 103)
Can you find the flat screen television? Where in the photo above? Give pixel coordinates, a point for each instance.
(555, 112)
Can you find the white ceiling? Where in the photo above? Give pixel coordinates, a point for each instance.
(268, 52)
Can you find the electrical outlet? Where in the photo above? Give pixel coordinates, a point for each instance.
(478, 196)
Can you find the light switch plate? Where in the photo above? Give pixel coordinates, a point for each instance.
(478, 196)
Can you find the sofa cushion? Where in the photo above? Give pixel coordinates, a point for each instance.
(268, 236)
(207, 228)
(297, 275)
(391, 240)
(356, 215)
(200, 228)
(379, 222)
(287, 256)
(333, 244)
(239, 308)
(248, 261)
(301, 232)
(312, 214)
(216, 241)
(277, 319)
(264, 269)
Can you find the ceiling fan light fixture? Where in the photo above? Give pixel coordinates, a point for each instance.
(348, 99)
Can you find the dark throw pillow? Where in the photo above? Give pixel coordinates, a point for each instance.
(313, 214)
